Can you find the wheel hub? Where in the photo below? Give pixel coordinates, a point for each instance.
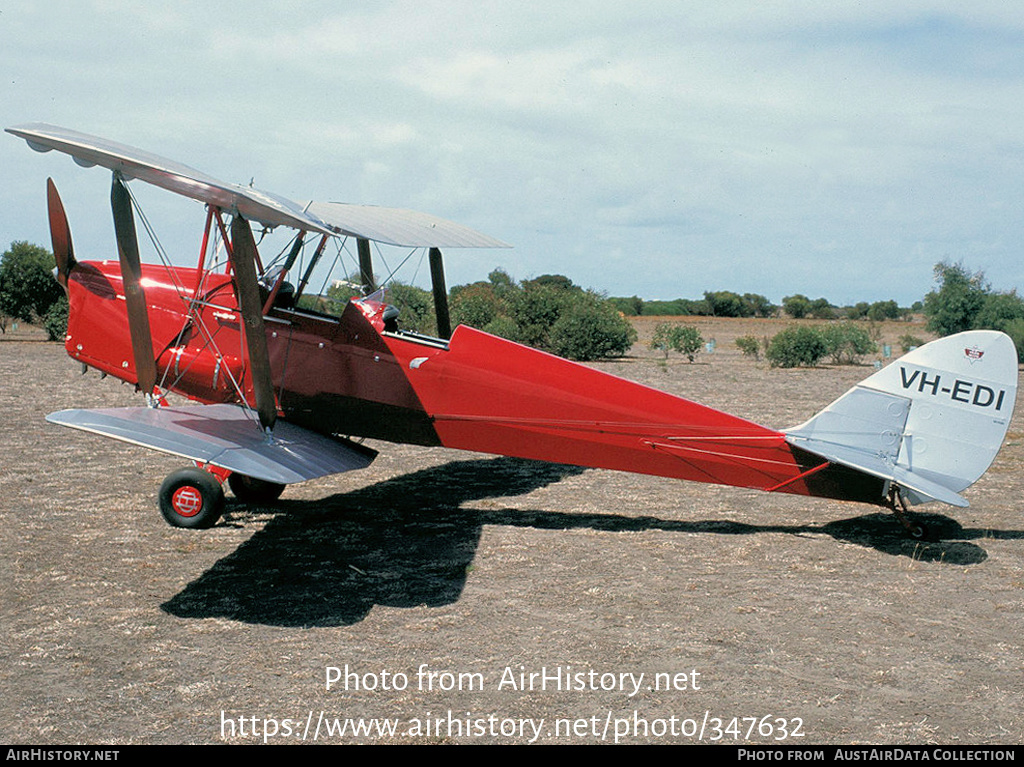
(187, 501)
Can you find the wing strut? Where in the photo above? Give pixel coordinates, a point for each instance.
(444, 322)
(243, 263)
(365, 266)
(312, 264)
(134, 295)
(288, 264)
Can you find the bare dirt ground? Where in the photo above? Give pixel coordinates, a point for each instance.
(753, 607)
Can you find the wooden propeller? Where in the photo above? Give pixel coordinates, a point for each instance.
(60, 234)
(134, 295)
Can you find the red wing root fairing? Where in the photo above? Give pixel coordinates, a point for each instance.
(280, 380)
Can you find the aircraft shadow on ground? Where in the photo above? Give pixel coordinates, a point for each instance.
(406, 542)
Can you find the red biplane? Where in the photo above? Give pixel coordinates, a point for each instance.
(285, 389)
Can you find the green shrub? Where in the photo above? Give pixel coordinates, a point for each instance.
(749, 346)
(684, 339)
(998, 310)
(725, 303)
(1015, 330)
(502, 326)
(687, 341)
(884, 310)
(797, 307)
(796, 346)
(965, 301)
(759, 305)
(415, 306)
(56, 320)
(908, 342)
(846, 343)
(858, 311)
(821, 309)
(590, 330)
(535, 308)
(548, 313)
(662, 338)
(676, 308)
(475, 305)
(632, 306)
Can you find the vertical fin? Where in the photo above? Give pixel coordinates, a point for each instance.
(932, 421)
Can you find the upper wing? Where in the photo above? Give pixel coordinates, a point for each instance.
(253, 204)
(390, 226)
(397, 226)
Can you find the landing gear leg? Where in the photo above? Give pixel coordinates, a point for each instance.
(252, 490)
(915, 530)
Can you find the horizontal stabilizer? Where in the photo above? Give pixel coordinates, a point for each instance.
(224, 436)
(878, 466)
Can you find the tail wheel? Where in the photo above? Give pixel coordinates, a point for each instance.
(914, 529)
(252, 490)
(191, 498)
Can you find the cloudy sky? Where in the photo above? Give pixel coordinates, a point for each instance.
(651, 148)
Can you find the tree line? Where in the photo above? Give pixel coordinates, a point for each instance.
(548, 312)
(552, 313)
(725, 303)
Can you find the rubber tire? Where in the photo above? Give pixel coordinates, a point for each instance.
(252, 490)
(191, 498)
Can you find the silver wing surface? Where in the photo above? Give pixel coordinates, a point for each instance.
(389, 226)
(224, 436)
(254, 204)
(398, 226)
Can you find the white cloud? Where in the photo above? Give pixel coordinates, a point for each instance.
(790, 147)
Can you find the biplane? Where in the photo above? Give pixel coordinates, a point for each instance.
(287, 391)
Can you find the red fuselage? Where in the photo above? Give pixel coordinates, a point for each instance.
(348, 375)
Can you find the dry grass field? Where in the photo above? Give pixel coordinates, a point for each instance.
(439, 578)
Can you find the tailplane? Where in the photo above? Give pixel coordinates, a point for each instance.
(931, 422)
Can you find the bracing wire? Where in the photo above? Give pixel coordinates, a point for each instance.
(419, 264)
(392, 273)
(192, 303)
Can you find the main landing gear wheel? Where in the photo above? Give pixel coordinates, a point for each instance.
(252, 490)
(191, 498)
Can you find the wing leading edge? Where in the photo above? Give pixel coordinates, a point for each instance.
(389, 226)
(87, 150)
